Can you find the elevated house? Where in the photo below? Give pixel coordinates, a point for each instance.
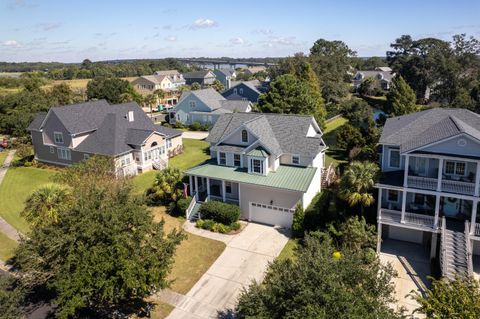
(148, 84)
(265, 163)
(72, 133)
(225, 76)
(383, 74)
(245, 90)
(175, 77)
(205, 106)
(430, 184)
(203, 77)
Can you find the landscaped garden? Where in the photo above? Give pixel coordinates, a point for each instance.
(219, 217)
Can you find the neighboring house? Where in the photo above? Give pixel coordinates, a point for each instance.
(247, 90)
(205, 106)
(225, 76)
(265, 163)
(204, 77)
(147, 84)
(72, 133)
(383, 74)
(175, 77)
(430, 184)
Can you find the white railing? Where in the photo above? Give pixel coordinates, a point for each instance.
(458, 187)
(420, 220)
(443, 250)
(422, 182)
(189, 209)
(468, 248)
(395, 216)
(477, 230)
(159, 163)
(387, 215)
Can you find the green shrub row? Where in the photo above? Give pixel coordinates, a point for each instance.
(220, 212)
(211, 225)
(197, 126)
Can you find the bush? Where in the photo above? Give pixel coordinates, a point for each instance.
(183, 203)
(208, 224)
(195, 126)
(220, 212)
(200, 223)
(205, 127)
(297, 224)
(220, 228)
(235, 226)
(178, 125)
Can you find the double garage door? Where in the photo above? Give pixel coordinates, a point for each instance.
(271, 215)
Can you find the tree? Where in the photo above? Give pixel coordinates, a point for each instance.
(369, 87)
(297, 223)
(357, 183)
(195, 86)
(401, 99)
(459, 298)
(349, 136)
(11, 298)
(218, 86)
(289, 95)
(113, 90)
(324, 281)
(150, 100)
(104, 255)
(167, 186)
(45, 204)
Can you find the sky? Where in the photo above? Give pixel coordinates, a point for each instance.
(70, 31)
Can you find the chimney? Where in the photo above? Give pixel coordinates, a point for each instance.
(130, 116)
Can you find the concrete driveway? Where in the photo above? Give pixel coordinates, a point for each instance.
(245, 258)
(195, 135)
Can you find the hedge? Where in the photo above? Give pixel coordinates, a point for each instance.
(220, 212)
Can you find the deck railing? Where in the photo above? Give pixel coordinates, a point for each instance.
(422, 182)
(458, 187)
(395, 216)
(468, 247)
(476, 231)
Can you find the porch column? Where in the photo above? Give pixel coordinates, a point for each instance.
(208, 186)
(196, 187)
(190, 179)
(379, 237)
(433, 247)
(405, 176)
(404, 206)
(437, 211)
(474, 217)
(379, 204)
(477, 180)
(224, 196)
(439, 175)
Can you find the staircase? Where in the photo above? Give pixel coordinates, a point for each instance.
(159, 164)
(455, 250)
(328, 176)
(194, 214)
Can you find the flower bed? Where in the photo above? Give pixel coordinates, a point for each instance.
(212, 225)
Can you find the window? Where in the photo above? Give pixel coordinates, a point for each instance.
(295, 159)
(192, 104)
(86, 156)
(394, 159)
(236, 160)
(228, 187)
(455, 168)
(392, 196)
(244, 136)
(240, 91)
(235, 91)
(257, 166)
(169, 142)
(58, 137)
(52, 150)
(223, 158)
(421, 166)
(64, 153)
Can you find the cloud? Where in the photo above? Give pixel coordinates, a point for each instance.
(263, 31)
(171, 38)
(237, 40)
(11, 44)
(203, 24)
(167, 27)
(287, 41)
(47, 26)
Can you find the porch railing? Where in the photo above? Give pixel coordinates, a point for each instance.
(458, 187)
(189, 209)
(477, 230)
(394, 216)
(422, 182)
(468, 247)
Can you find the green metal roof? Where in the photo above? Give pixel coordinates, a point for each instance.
(258, 152)
(285, 177)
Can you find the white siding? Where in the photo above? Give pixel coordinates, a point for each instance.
(313, 189)
(454, 147)
(405, 234)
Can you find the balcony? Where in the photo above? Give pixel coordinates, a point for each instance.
(393, 217)
(422, 182)
(458, 187)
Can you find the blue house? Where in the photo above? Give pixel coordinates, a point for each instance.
(205, 106)
(225, 76)
(247, 90)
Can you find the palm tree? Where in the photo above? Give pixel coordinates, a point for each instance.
(45, 205)
(150, 100)
(357, 183)
(168, 185)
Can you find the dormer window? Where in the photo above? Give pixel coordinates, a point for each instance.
(244, 136)
(222, 158)
(295, 159)
(257, 166)
(58, 137)
(240, 91)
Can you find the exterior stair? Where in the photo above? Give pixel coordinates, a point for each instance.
(455, 251)
(159, 164)
(328, 176)
(195, 214)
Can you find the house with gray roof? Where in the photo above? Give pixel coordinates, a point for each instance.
(203, 77)
(265, 163)
(205, 106)
(175, 77)
(72, 133)
(383, 74)
(429, 188)
(246, 90)
(225, 76)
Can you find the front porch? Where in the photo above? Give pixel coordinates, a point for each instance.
(216, 189)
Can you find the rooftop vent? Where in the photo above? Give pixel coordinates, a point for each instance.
(130, 116)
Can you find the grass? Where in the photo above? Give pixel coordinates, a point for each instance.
(195, 152)
(18, 184)
(7, 246)
(288, 252)
(78, 84)
(161, 310)
(193, 257)
(334, 155)
(3, 156)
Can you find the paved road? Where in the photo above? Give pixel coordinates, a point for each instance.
(195, 135)
(5, 227)
(245, 258)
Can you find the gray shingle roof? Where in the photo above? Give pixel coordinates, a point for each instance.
(209, 96)
(280, 133)
(197, 74)
(235, 105)
(230, 148)
(419, 129)
(37, 122)
(168, 132)
(387, 75)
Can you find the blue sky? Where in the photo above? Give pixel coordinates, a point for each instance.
(51, 30)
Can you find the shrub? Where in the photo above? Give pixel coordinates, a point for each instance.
(220, 212)
(208, 224)
(179, 125)
(183, 203)
(195, 126)
(220, 228)
(235, 226)
(200, 223)
(297, 224)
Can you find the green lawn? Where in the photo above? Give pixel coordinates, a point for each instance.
(195, 152)
(7, 246)
(18, 184)
(334, 155)
(3, 156)
(289, 249)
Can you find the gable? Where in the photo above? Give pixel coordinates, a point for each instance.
(200, 106)
(461, 145)
(236, 137)
(53, 124)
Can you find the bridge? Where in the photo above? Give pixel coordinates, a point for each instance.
(203, 62)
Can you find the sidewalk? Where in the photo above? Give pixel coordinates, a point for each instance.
(5, 227)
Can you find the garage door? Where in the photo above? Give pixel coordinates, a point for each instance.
(271, 215)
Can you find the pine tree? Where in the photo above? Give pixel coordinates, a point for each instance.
(401, 99)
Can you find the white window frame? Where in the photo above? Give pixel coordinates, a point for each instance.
(192, 104)
(262, 166)
(298, 159)
(227, 186)
(86, 156)
(58, 138)
(246, 134)
(52, 150)
(239, 160)
(417, 166)
(455, 163)
(64, 154)
(390, 158)
(224, 158)
(240, 91)
(169, 142)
